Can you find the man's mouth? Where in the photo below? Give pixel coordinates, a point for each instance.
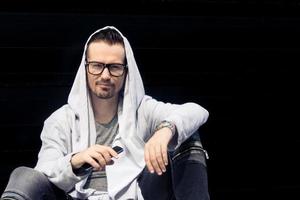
(104, 84)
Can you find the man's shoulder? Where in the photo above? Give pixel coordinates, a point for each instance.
(146, 98)
(64, 113)
(147, 103)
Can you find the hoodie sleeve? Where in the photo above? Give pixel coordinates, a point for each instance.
(187, 118)
(54, 156)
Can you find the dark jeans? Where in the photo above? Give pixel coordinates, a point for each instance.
(185, 179)
(28, 184)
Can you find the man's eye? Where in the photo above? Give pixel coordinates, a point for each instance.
(97, 65)
(116, 66)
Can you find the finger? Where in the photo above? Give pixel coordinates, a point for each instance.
(111, 162)
(153, 160)
(99, 158)
(106, 155)
(164, 150)
(98, 148)
(159, 158)
(93, 163)
(112, 152)
(147, 159)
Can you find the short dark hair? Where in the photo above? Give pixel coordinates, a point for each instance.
(109, 35)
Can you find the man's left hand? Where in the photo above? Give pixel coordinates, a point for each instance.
(156, 155)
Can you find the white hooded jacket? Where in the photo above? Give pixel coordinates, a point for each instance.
(71, 129)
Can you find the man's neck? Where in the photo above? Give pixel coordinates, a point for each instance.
(104, 109)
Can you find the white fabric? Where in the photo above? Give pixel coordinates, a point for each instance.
(72, 128)
(99, 196)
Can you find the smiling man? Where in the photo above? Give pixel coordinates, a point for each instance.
(107, 107)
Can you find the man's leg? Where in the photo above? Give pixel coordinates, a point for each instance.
(156, 187)
(189, 173)
(185, 178)
(28, 184)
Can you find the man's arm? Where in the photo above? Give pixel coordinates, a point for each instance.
(54, 159)
(185, 118)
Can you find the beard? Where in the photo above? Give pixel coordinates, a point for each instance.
(104, 91)
(104, 95)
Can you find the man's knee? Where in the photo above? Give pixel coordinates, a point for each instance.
(189, 170)
(191, 151)
(27, 183)
(29, 177)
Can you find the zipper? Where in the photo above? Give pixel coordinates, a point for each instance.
(192, 148)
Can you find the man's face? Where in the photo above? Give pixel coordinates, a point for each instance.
(105, 86)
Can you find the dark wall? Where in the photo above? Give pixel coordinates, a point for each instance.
(236, 59)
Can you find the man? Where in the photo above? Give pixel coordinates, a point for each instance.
(107, 107)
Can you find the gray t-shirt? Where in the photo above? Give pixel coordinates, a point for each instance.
(105, 136)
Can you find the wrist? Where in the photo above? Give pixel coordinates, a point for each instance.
(75, 163)
(166, 124)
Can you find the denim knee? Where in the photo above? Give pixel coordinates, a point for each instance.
(27, 183)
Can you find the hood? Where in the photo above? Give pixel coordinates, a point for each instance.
(80, 103)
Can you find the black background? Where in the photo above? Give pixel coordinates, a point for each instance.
(238, 59)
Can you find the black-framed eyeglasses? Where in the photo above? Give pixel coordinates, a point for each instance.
(96, 68)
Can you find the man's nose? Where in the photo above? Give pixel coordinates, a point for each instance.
(105, 74)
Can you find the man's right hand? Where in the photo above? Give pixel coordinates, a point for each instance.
(98, 156)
